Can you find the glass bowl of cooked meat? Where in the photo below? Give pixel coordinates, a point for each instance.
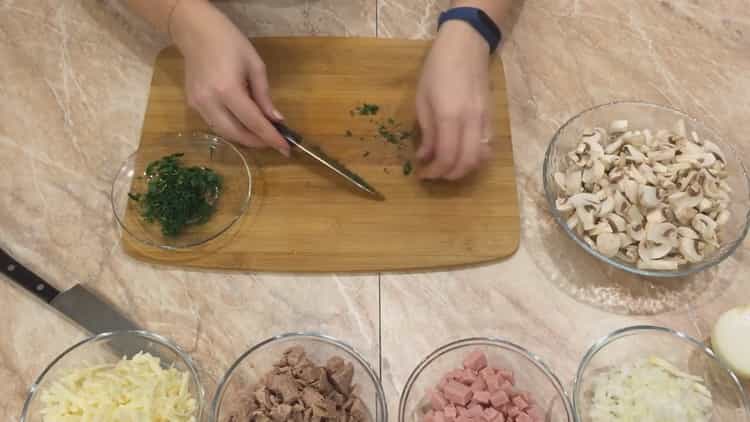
(182, 191)
(300, 376)
(647, 189)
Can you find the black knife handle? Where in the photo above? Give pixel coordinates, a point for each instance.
(26, 279)
(289, 135)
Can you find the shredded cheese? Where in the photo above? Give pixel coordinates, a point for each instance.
(649, 390)
(133, 390)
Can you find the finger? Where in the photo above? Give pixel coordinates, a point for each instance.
(468, 154)
(485, 152)
(426, 149)
(225, 124)
(446, 150)
(248, 113)
(260, 88)
(485, 149)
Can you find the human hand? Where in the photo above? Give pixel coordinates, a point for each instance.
(225, 78)
(453, 104)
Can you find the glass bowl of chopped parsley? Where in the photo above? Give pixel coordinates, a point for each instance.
(181, 192)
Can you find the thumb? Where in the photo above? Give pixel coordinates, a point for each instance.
(260, 89)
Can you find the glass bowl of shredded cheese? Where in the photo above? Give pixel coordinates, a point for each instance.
(656, 374)
(117, 377)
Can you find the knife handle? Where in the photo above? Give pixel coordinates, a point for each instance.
(26, 279)
(289, 135)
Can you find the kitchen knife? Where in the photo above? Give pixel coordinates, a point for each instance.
(77, 303)
(316, 153)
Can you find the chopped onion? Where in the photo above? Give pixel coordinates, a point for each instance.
(649, 390)
(731, 340)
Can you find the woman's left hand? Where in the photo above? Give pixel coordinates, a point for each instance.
(453, 104)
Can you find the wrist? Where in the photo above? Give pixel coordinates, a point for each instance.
(183, 19)
(464, 37)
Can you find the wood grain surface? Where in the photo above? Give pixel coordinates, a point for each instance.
(303, 218)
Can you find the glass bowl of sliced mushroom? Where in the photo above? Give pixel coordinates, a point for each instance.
(647, 189)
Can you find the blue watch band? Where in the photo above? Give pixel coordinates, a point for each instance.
(479, 20)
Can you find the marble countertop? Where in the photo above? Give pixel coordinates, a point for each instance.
(73, 89)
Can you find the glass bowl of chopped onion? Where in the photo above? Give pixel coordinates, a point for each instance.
(182, 191)
(118, 376)
(483, 378)
(647, 189)
(300, 376)
(649, 373)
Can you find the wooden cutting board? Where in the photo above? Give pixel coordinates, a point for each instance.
(303, 219)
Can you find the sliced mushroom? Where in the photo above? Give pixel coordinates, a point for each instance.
(586, 216)
(647, 196)
(687, 249)
(618, 126)
(687, 232)
(636, 232)
(634, 215)
(705, 226)
(723, 217)
(600, 228)
(608, 244)
(661, 233)
(573, 182)
(705, 205)
(659, 265)
(617, 222)
(648, 251)
(714, 149)
(630, 189)
(576, 201)
(629, 254)
(606, 206)
(634, 155)
(656, 215)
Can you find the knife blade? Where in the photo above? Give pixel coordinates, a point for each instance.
(77, 303)
(295, 140)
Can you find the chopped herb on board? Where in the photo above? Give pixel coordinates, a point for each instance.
(367, 109)
(407, 168)
(349, 133)
(366, 153)
(177, 196)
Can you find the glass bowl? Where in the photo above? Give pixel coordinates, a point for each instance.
(109, 348)
(199, 149)
(532, 375)
(686, 353)
(654, 117)
(236, 385)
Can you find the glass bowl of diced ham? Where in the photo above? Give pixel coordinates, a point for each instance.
(484, 379)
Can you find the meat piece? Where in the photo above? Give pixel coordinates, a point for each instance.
(325, 409)
(507, 375)
(466, 377)
(342, 378)
(311, 397)
(475, 361)
(490, 413)
(508, 388)
(486, 373)
(513, 411)
(285, 386)
(493, 383)
(437, 401)
(462, 418)
(479, 385)
(359, 412)
(323, 384)
(439, 417)
(527, 397)
(482, 397)
(293, 355)
(520, 402)
(450, 412)
(462, 411)
(262, 398)
(281, 412)
(457, 393)
(522, 417)
(335, 364)
(476, 411)
(429, 416)
(337, 398)
(499, 398)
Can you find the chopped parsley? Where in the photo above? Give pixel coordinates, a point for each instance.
(367, 109)
(407, 168)
(177, 196)
(349, 133)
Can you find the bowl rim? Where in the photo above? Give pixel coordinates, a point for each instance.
(602, 342)
(156, 338)
(196, 135)
(374, 377)
(489, 341)
(631, 268)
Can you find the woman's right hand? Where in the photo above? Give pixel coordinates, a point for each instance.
(225, 78)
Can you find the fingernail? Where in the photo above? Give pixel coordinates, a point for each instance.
(277, 115)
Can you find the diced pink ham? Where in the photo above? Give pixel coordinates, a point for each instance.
(476, 411)
(466, 377)
(439, 417)
(520, 402)
(499, 398)
(508, 388)
(457, 393)
(476, 361)
(536, 413)
(507, 375)
(462, 411)
(479, 385)
(493, 383)
(487, 372)
(527, 397)
(437, 400)
(429, 416)
(513, 411)
(490, 413)
(450, 412)
(482, 397)
(463, 418)
(522, 417)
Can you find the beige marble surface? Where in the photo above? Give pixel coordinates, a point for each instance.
(73, 87)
